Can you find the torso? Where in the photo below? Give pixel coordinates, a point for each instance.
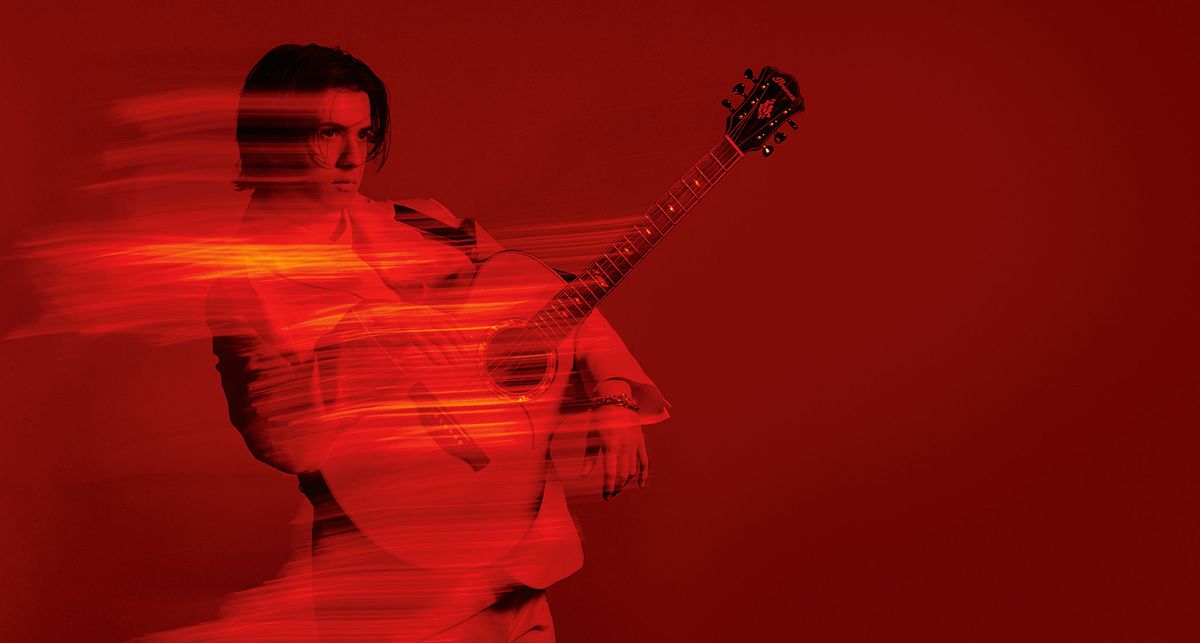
(308, 278)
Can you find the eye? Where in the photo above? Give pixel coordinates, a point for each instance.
(327, 132)
(366, 134)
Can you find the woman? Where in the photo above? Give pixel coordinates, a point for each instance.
(329, 287)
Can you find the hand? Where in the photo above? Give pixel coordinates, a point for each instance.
(435, 334)
(439, 337)
(617, 433)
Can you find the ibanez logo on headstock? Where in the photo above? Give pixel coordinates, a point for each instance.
(772, 100)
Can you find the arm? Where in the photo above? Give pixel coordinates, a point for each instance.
(271, 393)
(604, 366)
(607, 368)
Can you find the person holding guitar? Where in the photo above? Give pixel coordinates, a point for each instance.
(411, 373)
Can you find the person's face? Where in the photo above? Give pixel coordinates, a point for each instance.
(340, 145)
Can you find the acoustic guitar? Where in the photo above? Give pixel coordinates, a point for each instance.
(446, 460)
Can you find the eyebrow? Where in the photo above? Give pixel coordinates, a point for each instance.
(342, 125)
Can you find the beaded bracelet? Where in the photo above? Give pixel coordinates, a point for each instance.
(620, 399)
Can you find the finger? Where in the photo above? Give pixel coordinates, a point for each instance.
(643, 465)
(454, 345)
(589, 462)
(431, 351)
(465, 348)
(610, 474)
(633, 468)
(622, 473)
(464, 340)
(438, 344)
(589, 454)
(414, 340)
(423, 349)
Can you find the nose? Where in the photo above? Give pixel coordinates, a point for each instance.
(354, 153)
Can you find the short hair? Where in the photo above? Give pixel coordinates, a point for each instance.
(270, 121)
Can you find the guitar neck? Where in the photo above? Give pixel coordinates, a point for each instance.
(572, 305)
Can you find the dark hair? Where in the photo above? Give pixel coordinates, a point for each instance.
(268, 124)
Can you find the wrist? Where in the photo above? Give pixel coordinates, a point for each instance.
(620, 400)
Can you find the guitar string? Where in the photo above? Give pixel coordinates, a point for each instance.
(612, 248)
(526, 344)
(557, 328)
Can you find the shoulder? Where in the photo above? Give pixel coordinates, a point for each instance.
(426, 214)
(389, 208)
(428, 206)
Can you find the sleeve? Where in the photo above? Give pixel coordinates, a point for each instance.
(601, 355)
(273, 397)
(599, 352)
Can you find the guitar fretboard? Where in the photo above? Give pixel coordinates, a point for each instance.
(572, 305)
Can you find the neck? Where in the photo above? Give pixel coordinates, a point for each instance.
(572, 305)
(281, 210)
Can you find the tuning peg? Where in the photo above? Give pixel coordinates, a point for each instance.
(749, 74)
(767, 150)
(727, 105)
(792, 124)
(739, 89)
(780, 137)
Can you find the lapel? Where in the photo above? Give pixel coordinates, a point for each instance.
(435, 220)
(384, 233)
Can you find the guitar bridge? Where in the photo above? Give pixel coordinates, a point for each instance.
(445, 430)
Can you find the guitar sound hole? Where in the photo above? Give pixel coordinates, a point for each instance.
(517, 366)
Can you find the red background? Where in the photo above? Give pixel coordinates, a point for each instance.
(933, 365)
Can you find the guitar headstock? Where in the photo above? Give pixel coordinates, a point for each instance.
(770, 101)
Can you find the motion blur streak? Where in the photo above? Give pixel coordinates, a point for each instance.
(445, 478)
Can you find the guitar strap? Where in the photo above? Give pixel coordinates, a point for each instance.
(462, 237)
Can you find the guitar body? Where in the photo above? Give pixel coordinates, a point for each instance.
(445, 462)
